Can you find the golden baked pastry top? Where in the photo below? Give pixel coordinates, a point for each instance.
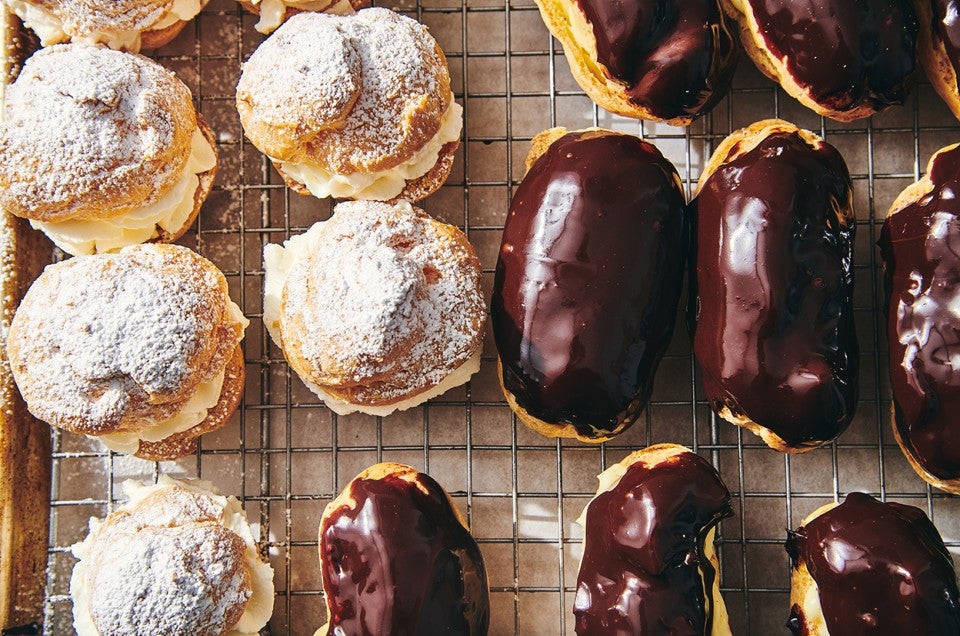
(101, 344)
(89, 132)
(387, 304)
(359, 93)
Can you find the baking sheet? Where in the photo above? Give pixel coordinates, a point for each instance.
(286, 456)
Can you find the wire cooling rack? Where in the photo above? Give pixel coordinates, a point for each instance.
(286, 456)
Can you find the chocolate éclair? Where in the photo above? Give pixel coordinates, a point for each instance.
(649, 564)
(864, 567)
(773, 277)
(662, 60)
(920, 245)
(844, 59)
(396, 557)
(587, 282)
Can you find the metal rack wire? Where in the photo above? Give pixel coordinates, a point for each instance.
(285, 455)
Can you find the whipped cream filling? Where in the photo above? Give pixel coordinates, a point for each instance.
(95, 236)
(260, 604)
(460, 375)
(278, 260)
(272, 11)
(382, 185)
(194, 411)
(49, 28)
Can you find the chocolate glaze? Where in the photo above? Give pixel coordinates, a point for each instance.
(880, 568)
(644, 551)
(676, 56)
(775, 332)
(921, 249)
(946, 29)
(845, 53)
(399, 562)
(587, 283)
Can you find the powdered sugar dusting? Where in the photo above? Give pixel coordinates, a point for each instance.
(86, 126)
(404, 86)
(172, 581)
(311, 90)
(101, 340)
(82, 17)
(387, 304)
(166, 566)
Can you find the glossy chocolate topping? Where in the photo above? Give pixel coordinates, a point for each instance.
(946, 28)
(587, 284)
(775, 332)
(643, 553)
(845, 53)
(676, 56)
(921, 248)
(880, 568)
(399, 562)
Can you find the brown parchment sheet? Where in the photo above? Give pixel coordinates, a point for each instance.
(286, 456)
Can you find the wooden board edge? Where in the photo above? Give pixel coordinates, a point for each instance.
(25, 461)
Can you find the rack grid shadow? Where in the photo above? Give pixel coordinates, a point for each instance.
(285, 455)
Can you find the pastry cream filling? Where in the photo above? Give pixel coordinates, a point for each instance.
(277, 262)
(49, 28)
(92, 236)
(460, 375)
(194, 411)
(272, 11)
(260, 604)
(385, 184)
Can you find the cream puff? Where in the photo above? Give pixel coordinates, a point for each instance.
(670, 61)
(139, 349)
(773, 278)
(102, 149)
(396, 557)
(377, 309)
(355, 107)
(587, 283)
(177, 559)
(866, 567)
(274, 12)
(649, 564)
(128, 25)
(920, 245)
(843, 59)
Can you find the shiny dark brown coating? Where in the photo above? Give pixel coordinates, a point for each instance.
(880, 568)
(775, 331)
(946, 28)
(644, 551)
(845, 53)
(676, 57)
(399, 562)
(587, 283)
(921, 249)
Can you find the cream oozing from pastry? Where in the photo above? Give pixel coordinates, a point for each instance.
(460, 375)
(272, 11)
(49, 28)
(385, 184)
(259, 606)
(96, 236)
(193, 412)
(278, 261)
